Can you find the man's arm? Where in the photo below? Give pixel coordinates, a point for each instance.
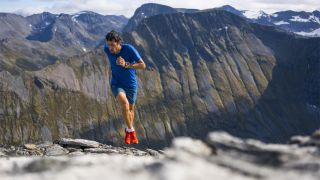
(139, 65)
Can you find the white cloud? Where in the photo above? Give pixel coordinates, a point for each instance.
(254, 5)
(127, 7)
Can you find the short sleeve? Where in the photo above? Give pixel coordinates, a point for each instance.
(135, 56)
(105, 48)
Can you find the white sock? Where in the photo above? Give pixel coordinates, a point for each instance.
(130, 130)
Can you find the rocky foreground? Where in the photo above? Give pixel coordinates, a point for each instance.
(221, 156)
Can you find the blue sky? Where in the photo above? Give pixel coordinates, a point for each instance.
(127, 7)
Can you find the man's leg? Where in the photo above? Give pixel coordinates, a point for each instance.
(131, 108)
(123, 101)
(134, 138)
(131, 97)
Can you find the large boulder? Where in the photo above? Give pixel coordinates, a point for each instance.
(78, 142)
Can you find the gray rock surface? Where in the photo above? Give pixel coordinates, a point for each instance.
(56, 150)
(221, 156)
(78, 142)
(269, 161)
(100, 150)
(68, 146)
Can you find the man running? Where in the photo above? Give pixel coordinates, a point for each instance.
(124, 60)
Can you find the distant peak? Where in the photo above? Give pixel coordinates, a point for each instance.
(152, 4)
(231, 9)
(46, 12)
(316, 11)
(228, 7)
(254, 14)
(84, 12)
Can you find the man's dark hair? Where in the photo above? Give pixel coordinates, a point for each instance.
(113, 36)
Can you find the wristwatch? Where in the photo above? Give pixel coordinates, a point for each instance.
(127, 64)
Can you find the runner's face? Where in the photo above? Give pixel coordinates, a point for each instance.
(114, 47)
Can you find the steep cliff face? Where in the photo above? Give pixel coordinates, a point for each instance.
(299, 58)
(223, 73)
(205, 71)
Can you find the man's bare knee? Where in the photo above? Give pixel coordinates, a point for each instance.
(125, 107)
(122, 99)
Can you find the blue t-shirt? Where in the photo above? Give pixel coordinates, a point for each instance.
(120, 75)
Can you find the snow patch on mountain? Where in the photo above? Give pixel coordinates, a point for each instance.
(314, 19)
(299, 19)
(275, 15)
(315, 33)
(280, 23)
(311, 18)
(74, 18)
(302, 23)
(254, 14)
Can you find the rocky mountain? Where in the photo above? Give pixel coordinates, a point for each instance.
(33, 42)
(206, 71)
(303, 23)
(151, 9)
(13, 25)
(220, 155)
(233, 10)
(84, 28)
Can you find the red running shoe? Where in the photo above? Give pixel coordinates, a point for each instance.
(127, 138)
(134, 138)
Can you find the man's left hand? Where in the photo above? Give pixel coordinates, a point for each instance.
(120, 61)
